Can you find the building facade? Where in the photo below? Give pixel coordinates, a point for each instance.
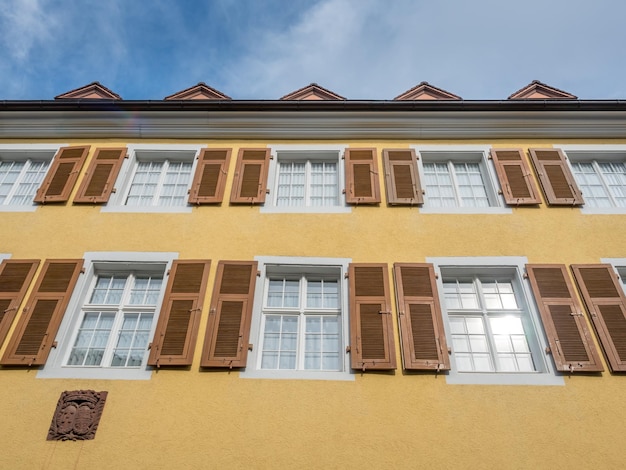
(312, 282)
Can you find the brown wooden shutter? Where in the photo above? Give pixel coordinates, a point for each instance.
(423, 337)
(228, 328)
(516, 180)
(97, 185)
(250, 184)
(210, 178)
(401, 178)
(606, 304)
(60, 179)
(37, 327)
(362, 177)
(177, 330)
(570, 341)
(557, 181)
(15, 277)
(371, 327)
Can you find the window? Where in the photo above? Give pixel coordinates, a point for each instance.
(22, 170)
(458, 180)
(490, 324)
(300, 320)
(116, 320)
(306, 179)
(155, 179)
(111, 318)
(603, 182)
(600, 173)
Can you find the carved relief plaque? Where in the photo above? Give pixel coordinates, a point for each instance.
(77, 415)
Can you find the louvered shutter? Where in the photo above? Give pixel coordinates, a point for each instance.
(228, 328)
(60, 179)
(210, 178)
(371, 331)
(97, 185)
(250, 182)
(606, 304)
(557, 181)
(362, 177)
(15, 277)
(401, 178)
(177, 330)
(423, 337)
(563, 320)
(37, 327)
(515, 177)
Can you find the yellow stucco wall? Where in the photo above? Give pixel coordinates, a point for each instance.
(198, 419)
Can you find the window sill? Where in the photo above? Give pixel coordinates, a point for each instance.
(465, 210)
(51, 372)
(603, 210)
(148, 209)
(18, 208)
(477, 378)
(296, 375)
(306, 210)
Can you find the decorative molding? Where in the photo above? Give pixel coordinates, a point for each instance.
(537, 90)
(201, 91)
(426, 91)
(313, 92)
(77, 415)
(93, 91)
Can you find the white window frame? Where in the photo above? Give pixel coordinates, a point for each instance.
(619, 266)
(56, 365)
(594, 153)
(463, 153)
(545, 373)
(305, 151)
(117, 201)
(296, 264)
(23, 152)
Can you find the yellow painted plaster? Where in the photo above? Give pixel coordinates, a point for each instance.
(197, 419)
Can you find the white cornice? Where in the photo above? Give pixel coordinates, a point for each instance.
(312, 125)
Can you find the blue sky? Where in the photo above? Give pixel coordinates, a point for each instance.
(264, 49)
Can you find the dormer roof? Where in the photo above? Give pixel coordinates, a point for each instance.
(537, 90)
(201, 91)
(312, 92)
(426, 91)
(93, 91)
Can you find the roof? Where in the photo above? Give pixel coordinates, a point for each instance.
(93, 91)
(201, 91)
(312, 92)
(426, 91)
(538, 90)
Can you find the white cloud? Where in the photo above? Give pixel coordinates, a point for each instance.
(24, 25)
(485, 49)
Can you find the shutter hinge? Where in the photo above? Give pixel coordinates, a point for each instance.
(250, 347)
(258, 273)
(346, 275)
(348, 349)
(382, 312)
(168, 272)
(548, 350)
(54, 344)
(525, 276)
(114, 190)
(82, 270)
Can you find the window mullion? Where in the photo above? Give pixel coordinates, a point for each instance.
(17, 181)
(161, 181)
(308, 168)
(596, 167)
(455, 183)
(300, 340)
(491, 344)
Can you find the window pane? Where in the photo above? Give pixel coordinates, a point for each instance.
(91, 340)
(131, 344)
(280, 341)
(108, 290)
